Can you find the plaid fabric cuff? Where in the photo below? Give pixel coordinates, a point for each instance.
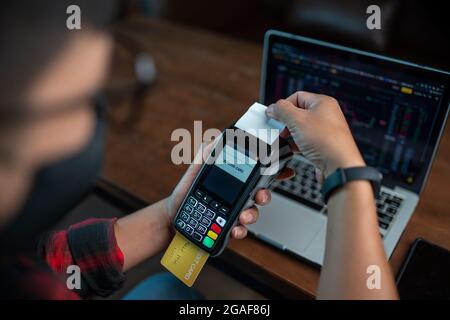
(94, 249)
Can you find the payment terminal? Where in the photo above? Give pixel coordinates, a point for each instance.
(245, 158)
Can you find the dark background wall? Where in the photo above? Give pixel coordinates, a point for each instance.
(411, 29)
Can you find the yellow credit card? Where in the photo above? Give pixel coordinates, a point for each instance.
(184, 259)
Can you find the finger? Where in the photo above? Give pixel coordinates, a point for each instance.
(303, 99)
(263, 197)
(239, 232)
(249, 216)
(287, 173)
(283, 111)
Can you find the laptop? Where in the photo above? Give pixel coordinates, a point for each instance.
(396, 111)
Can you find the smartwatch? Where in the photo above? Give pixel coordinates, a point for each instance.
(342, 176)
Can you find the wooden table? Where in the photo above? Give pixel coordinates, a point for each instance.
(208, 77)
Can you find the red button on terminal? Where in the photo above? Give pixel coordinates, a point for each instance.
(216, 228)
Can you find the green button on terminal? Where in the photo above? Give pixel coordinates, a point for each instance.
(208, 242)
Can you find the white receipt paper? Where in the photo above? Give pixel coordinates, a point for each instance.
(255, 122)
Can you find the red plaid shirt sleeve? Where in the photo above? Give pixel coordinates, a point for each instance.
(91, 245)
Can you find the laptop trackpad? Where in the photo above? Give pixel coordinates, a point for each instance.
(288, 224)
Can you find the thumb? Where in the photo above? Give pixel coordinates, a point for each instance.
(284, 111)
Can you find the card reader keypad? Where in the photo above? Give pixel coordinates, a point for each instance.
(203, 218)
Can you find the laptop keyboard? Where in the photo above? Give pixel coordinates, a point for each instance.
(305, 189)
(388, 204)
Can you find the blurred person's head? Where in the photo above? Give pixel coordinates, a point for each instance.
(43, 67)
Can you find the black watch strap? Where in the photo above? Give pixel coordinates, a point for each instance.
(341, 176)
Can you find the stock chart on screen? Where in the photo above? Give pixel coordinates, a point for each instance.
(390, 114)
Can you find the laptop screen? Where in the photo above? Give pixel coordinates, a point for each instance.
(395, 110)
